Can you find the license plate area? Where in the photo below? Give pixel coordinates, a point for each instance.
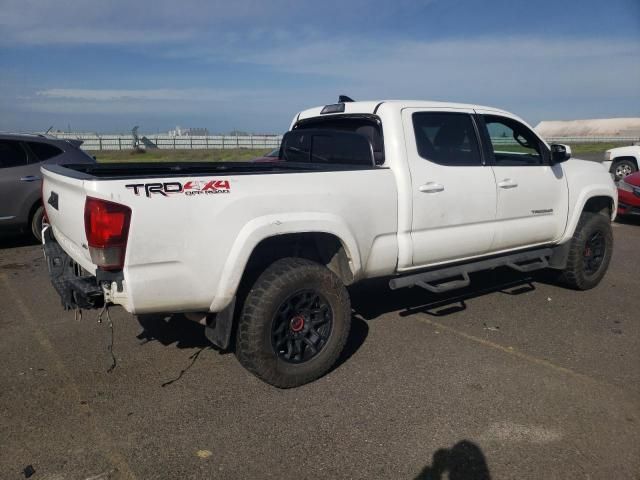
(75, 287)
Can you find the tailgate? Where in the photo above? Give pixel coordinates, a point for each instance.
(64, 197)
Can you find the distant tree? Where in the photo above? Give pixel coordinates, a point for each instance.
(238, 133)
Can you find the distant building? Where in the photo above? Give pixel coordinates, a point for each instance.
(598, 127)
(188, 132)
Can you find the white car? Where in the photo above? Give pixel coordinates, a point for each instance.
(622, 161)
(419, 191)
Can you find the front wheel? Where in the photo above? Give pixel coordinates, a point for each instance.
(622, 168)
(294, 323)
(589, 253)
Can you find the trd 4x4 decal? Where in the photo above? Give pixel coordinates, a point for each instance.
(192, 187)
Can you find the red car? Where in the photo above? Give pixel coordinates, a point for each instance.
(272, 156)
(629, 195)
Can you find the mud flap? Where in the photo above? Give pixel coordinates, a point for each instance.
(220, 325)
(560, 255)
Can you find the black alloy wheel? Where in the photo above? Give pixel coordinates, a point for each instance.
(594, 250)
(302, 326)
(294, 323)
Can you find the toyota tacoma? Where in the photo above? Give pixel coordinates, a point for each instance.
(422, 193)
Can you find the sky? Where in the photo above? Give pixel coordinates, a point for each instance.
(105, 66)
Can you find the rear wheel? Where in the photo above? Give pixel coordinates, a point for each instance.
(37, 220)
(294, 324)
(623, 168)
(589, 253)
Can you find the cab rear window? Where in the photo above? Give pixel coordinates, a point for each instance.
(367, 126)
(335, 147)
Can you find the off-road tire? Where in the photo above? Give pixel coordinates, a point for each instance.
(254, 346)
(575, 274)
(36, 223)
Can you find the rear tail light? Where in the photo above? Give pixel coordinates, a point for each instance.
(107, 227)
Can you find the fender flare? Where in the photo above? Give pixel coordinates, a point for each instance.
(261, 228)
(580, 203)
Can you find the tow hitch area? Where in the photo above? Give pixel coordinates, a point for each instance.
(76, 289)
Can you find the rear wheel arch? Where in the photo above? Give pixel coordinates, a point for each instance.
(324, 248)
(626, 157)
(33, 209)
(36, 209)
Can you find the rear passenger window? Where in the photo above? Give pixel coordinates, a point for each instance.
(43, 151)
(12, 154)
(446, 138)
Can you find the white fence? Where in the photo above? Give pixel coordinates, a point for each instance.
(627, 140)
(262, 142)
(166, 142)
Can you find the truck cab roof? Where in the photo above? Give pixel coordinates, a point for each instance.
(372, 107)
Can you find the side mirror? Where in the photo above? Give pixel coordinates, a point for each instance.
(560, 153)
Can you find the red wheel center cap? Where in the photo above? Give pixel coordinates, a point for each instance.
(297, 323)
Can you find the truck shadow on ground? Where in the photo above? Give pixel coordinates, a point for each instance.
(10, 240)
(172, 329)
(186, 334)
(373, 298)
(629, 220)
(369, 300)
(463, 461)
(176, 329)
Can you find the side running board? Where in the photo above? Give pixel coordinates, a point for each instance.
(451, 278)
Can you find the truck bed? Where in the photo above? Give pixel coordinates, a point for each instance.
(122, 171)
(194, 225)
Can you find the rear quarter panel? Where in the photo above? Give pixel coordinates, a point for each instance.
(187, 252)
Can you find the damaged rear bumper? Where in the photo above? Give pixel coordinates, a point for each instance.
(75, 287)
(79, 289)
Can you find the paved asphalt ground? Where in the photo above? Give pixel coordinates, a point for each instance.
(513, 378)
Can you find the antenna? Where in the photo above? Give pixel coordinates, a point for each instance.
(48, 129)
(345, 99)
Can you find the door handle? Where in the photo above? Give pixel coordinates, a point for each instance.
(431, 187)
(29, 178)
(507, 183)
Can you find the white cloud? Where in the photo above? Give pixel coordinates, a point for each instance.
(158, 94)
(538, 78)
(46, 22)
(215, 102)
(513, 65)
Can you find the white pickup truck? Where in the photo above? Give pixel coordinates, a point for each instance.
(421, 192)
